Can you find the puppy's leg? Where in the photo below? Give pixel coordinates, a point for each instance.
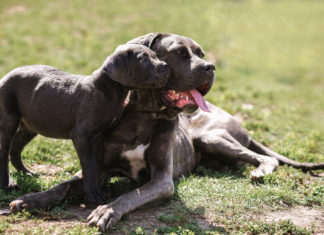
(48, 198)
(220, 141)
(22, 137)
(87, 149)
(8, 127)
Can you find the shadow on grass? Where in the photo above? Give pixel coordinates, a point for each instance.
(163, 217)
(170, 217)
(26, 184)
(173, 216)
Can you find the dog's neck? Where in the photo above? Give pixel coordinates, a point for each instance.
(148, 101)
(110, 88)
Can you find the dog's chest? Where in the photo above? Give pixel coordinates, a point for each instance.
(136, 160)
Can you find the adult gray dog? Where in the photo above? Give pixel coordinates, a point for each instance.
(40, 99)
(161, 144)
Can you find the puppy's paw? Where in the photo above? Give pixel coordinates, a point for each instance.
(17, 206)
(31, 201)
(104, 217)
(8, 187)
(31, 173)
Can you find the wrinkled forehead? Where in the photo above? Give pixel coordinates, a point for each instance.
(137, 49)
(176, 42)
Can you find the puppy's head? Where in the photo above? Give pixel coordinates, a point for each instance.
(136, 66)
(191, 76)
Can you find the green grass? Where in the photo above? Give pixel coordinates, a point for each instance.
(269, 71)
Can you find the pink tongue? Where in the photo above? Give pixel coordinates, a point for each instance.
(199, 99)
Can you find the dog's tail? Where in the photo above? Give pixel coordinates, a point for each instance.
(261, 149)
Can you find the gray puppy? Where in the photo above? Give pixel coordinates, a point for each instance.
(44, 100)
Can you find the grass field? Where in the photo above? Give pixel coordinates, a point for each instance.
(270, 73)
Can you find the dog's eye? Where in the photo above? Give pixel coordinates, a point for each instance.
(199, 53)
(143, 60)
(182, 53)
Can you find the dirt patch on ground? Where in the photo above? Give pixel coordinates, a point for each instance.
(46, 170)
(46, 227)
(301, 216)
(4, 211)
(76, 215)
(47, 223)
(80, 212)
(148, 219)
(18, 9)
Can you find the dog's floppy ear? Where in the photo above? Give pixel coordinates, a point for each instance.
(147, 40)
(117, 66)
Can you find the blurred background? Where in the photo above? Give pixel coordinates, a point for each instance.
(269, 54)
(269, 57)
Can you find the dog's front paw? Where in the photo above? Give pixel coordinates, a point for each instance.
(104, 216)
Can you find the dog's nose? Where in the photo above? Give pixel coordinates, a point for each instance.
(164, 70)
(209, 67)
(163, 73)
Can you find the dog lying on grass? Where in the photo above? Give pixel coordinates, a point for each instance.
(44, 100)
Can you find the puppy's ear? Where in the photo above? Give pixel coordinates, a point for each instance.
(147, 40)
(117, 66)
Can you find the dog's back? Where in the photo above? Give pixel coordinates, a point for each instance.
(41, 94)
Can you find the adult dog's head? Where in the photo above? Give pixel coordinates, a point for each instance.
(191, 76)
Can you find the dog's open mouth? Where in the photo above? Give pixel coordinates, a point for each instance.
(180, 99)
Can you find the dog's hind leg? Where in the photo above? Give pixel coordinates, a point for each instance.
(8, 127)
(221, 142)
(22, 137)
(47, 199)
(261, 149)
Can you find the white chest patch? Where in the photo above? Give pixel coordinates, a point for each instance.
(136, 159)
